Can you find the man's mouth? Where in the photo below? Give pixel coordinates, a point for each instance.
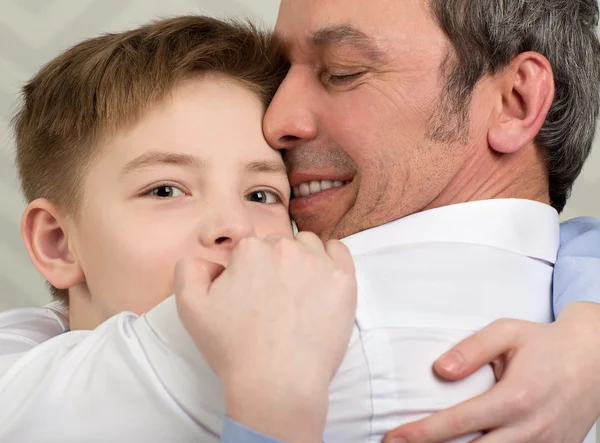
(316, 186)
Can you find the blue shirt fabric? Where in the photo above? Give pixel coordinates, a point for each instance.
(234, 432)
(577, 269)
(576, 279)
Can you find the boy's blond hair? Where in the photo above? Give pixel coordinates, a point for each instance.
(106, 83)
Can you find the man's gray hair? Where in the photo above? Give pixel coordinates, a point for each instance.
(487, 34)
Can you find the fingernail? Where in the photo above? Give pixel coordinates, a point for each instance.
(451, 362)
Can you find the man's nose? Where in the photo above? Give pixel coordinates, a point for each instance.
(291, 119)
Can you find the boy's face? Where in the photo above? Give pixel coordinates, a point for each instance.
(194, 176)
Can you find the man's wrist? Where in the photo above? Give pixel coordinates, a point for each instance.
(585, 318)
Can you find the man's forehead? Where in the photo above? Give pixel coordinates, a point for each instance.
(314, 23)
(338, 34)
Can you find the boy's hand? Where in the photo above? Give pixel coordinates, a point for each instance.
(274, 326)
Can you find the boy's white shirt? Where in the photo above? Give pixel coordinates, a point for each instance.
(141, 378)
(23, 328)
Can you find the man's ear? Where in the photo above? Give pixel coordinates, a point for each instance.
(44, 232)
(527, 90)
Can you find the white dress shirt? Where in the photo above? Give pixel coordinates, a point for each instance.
(425, 282)
(24, 328)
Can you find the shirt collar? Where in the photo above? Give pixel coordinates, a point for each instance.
(525, 227)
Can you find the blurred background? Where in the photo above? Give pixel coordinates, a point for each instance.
(32, 32)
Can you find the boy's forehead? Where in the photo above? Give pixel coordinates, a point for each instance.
(250, 164)
(204, 125)
(201, 117)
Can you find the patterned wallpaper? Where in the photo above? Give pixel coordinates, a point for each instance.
(34, 31)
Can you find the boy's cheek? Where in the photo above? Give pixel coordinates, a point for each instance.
(135, 276)
(273, 223)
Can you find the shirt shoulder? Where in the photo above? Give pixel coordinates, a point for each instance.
(24, 328)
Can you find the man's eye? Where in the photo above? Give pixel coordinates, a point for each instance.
(166, 191)
(263, 196)
(344, 79)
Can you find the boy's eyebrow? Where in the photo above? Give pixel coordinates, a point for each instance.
(268, 166)
(154, 158)
(346, 35)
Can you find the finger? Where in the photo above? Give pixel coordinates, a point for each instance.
(193, 278)
(486, 411)
(340, 254)
(275, 237)
(502, 435)
(479, 349)
(311, 242)
(250, 251)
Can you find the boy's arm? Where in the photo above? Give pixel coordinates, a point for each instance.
(577, 269)
(24, 328)
(129, 375)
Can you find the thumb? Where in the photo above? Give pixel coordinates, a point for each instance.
(193, 278)
(482, 348)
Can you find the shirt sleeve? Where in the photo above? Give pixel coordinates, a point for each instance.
(22, 329)
(577, 268)
(131, 379)
(234, 432)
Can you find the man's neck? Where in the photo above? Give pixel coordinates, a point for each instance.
(521, 175)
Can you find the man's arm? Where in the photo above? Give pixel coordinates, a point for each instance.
(549, 375)
(577, 270)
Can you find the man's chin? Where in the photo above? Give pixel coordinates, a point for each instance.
(326, 228)
(322, 214)
(322, 225)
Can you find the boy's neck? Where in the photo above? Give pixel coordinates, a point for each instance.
(81, 315)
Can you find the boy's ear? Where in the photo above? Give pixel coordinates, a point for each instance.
(44, 232)
(527, 93)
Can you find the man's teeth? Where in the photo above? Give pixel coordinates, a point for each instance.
(316, 186)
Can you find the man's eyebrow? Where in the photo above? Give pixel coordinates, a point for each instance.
(266, 166)
(346, 35)
(154, 158)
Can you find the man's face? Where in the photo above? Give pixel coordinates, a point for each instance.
(194, 176)
(360, 110)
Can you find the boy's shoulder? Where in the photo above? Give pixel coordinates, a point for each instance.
(23, 328)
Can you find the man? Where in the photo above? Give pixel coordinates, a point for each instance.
(417, 105)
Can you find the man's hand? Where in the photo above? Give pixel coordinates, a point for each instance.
(274, 326)
(548, 389)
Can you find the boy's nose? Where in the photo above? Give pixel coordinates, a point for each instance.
(226, 234)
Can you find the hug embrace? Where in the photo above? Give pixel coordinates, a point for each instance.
(423, 149)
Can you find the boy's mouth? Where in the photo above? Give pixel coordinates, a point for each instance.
(315, 186)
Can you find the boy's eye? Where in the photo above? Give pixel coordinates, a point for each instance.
(263, 196)
(166, 191)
